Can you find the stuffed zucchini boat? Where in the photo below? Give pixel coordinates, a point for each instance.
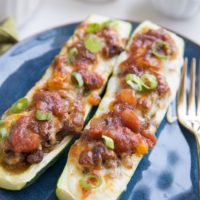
(36, 128)
(145, 80)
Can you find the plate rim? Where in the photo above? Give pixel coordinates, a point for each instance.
(3, 56)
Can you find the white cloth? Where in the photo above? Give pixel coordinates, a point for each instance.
(57, 12)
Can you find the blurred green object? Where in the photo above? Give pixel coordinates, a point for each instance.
(8, 34)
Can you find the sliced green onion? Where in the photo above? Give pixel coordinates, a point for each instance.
(93, 44)
(89, 182)
(149, 81)
(19, 106)
(78, 79)
(3, 133)
(2, 122)
(108, 142)
(134, 81)
(93, 27)
(112, 23)
(43, 116)
(13, 123)
(73, 52)
(157, 46)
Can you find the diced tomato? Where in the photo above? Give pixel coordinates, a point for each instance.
(123, 139)
(142, 148)
(28, 143)
(127, 96)
(94, 99)
(139, 144)
(150, 138)
(22, 139)
(131, 120)
(57, 83)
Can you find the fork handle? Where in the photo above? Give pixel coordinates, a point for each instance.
(197, 136)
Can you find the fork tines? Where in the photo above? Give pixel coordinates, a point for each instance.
(183, 109)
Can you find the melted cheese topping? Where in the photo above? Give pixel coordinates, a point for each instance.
(115, 182)
(103, 67)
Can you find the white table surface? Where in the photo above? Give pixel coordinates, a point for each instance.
(57, 12)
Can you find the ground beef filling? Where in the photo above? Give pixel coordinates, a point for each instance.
(92, 80)
(140, 52)
(122, 123)
(129, 134)
(98, 155)
(112, 47)
(30, 137)
(51, 101)
(83, 57)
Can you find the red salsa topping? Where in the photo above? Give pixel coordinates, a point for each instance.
(57, 109)
(128, 121)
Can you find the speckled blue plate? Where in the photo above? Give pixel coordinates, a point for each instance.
(169, 171)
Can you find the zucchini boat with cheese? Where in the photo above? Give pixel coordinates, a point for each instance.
(145, 80)
(36, 128)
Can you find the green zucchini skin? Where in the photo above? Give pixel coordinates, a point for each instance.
(26, 178)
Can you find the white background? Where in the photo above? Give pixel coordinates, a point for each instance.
(52, 13)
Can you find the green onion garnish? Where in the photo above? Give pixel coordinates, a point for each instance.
(77, 76)
(93, 44)
(2, 122)
(73, 52)
(3, 133)
(89, 182)
(112, 23)
(160, 46)
(13, 123)
(93, 27)
(134, 81)
(43, 116)
(108, 142)
(149, 81)
(19, 106)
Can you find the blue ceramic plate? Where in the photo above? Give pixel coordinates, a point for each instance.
(169, 171)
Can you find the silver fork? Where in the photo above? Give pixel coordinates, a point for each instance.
(189, 113)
